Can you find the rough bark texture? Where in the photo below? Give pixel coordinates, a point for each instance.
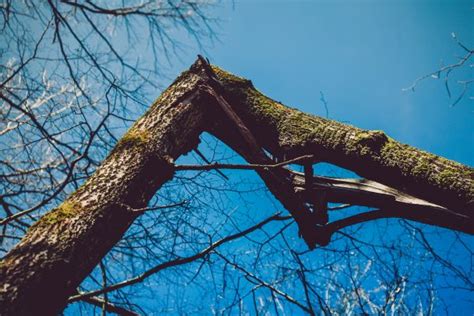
(63, 247)
(288, 133)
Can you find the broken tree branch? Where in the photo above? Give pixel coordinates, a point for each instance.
(216, 165)
(178, 261)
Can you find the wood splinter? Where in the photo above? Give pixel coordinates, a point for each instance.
(316, 198)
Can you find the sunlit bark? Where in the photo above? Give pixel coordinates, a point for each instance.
(63, 247)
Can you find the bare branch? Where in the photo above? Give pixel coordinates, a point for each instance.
(179, 261)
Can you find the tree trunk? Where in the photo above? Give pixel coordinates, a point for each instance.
(63, 247)
(288, 133)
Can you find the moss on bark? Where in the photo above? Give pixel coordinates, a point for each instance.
(68, 209)
(372, 154)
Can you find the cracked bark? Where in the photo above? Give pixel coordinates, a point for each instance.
(62, 248)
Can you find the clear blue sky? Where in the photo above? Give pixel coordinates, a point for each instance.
(360, 54)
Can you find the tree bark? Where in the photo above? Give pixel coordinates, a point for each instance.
(289, 133)
(62, 248)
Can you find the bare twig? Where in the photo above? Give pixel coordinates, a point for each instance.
(244, 166)
(178, 261)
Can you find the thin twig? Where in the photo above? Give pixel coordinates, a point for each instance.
(153, 208)
(176, 262)
(243, 166)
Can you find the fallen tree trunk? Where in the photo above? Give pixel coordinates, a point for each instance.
(62, 248)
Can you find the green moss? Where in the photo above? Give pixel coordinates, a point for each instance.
(226, 77)
(420, 170)
(295, 127)
(360, 142)
(67, 209)
(449, 177)
(133, 138)
(373, 139)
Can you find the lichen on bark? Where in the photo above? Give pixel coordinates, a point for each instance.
(133, 137)
(282, 130)
(57, 253)
(68, 209)
(46, 267)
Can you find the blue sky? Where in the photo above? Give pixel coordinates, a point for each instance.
(360, 54)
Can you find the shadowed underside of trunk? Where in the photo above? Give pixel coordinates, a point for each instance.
(287, 133)
(63, 247)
